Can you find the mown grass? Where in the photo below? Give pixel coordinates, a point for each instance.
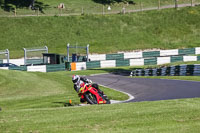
(166, 29)
(38, 102)
(158, 116)
(23, 90)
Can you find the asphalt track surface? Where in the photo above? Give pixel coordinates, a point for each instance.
(144, 89)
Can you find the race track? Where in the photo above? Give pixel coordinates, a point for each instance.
(149, 89)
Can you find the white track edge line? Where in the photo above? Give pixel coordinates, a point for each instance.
(131, 97)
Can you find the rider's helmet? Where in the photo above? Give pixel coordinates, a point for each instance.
(75, 79)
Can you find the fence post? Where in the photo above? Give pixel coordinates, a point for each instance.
(140, 5)
(103, 12)
(87, 49)
(15, 12)
(176, 4)
(158, 4)
(82, 11)
(191, 2)
(60, 11)
(68, 52)
(37, 11)
(25, 56)
(124, 10)
(8, 55)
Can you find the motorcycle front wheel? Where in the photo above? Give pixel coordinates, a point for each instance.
(91, 98)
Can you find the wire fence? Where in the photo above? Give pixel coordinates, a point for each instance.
(102, 9)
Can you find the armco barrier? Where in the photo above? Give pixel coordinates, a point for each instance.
(169, 52)
(19, 68)
(136, 62)
(56, 67)
(163, 60)
(187, 51)
(131, 62)
(145, 54)
(150, 61)
(176, 59)
(81, 66)
(189, 58)
(180, 70)
(97, 57)
(122, 62)
(108, 63)
(93, 64)
(40, 68)
(132, 55)
(114, 56)
(151, 54)
(197, 50)
(141, 54)
(34, 61)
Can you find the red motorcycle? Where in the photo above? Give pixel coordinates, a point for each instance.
(92, 95)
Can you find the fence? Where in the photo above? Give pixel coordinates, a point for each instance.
(177, 55)
(79, 9)
(131, 62)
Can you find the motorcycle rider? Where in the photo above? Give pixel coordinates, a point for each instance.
(81, 81)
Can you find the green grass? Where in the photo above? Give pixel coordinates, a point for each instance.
(35, 90)
(160, 116)
(166, 29)
(38, 102)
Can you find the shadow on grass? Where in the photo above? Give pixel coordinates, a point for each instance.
(65, 104)
(10, 5)
(108, 2)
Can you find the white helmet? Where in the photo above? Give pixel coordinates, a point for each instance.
(75, 78)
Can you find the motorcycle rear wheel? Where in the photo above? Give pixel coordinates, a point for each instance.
(91, 98)
(108, 101)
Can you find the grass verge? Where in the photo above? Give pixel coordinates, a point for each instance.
(23, 90)
(166, 29)
(158, 116)
(35, 102)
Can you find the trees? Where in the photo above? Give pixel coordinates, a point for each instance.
(17, 3)
(32, 3)
(9, 5)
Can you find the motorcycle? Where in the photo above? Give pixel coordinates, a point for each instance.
(92, 95)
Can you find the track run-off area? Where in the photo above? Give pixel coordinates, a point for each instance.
(144, 89)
